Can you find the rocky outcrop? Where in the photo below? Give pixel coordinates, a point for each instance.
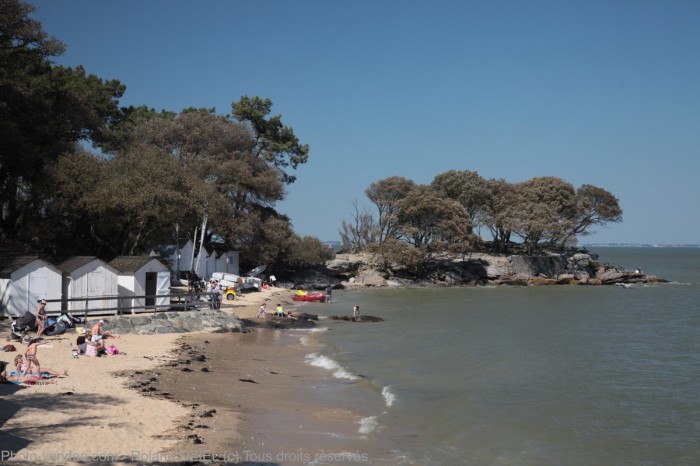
(612, 276)
(358, 318)
(279, 323)
(575, 268)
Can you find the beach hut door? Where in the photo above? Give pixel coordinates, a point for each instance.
(151, 287)
(38, 285)
(163, 289)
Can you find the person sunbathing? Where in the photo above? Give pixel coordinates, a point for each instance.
(15, 378)
(21, 366)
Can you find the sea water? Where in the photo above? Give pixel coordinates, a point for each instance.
(550, 375)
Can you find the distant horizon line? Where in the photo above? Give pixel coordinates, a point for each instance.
(627, 245)
(645, 245)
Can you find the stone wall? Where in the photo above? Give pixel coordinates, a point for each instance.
(172, 322)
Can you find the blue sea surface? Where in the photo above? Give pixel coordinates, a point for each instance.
(551, 375)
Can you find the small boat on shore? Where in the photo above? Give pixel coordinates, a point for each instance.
(318, 297)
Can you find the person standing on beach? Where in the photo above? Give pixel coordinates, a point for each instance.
(355, 311)
(30, 355)
(209, 290)
(329, 294)
(273, 280)
(262, 312)
(216, 296)
(40, 318)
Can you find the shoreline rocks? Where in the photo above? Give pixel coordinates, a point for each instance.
(574, 268)
(172, 322)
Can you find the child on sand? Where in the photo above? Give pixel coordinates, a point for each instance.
(262, 312)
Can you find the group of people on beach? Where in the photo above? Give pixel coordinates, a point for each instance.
(280, 312)
(93, 344)
(214, 288)
(28, 367)
(24, 372)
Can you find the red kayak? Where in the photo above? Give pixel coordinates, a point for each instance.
(319, 297)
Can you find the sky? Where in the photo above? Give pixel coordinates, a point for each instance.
(594, 92)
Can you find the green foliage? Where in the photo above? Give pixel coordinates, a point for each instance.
(120, 135)
(401, 257)
(467, 188)
(545, 212)
(386, 195)
(541, 211)
(275, 142)
(156, 168)
(594, 206)
(307, 252)
(44, 110)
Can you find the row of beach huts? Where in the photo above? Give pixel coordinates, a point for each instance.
(83, 284)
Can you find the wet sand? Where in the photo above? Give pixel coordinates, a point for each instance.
(252, 399)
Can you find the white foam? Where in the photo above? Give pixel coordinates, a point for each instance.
(304, 341)
(325, 362)
(389, 396)
(368, 424)
(318, 329)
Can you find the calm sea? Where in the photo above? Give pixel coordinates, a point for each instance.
(554, 375)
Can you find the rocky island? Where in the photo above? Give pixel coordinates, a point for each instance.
(479, 269)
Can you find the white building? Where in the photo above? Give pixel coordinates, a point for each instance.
(141, 276)
(24, 281)
(87, 278)
(213, 259)
(228, 262)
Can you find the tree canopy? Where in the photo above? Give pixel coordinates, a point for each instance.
(44, 110)
(274, 142)
(152, 169)
(415, 221)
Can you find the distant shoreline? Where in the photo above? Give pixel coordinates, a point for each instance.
(641, 245)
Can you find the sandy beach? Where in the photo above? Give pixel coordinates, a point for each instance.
(97, 413)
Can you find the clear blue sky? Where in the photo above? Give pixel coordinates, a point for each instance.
(595, 92)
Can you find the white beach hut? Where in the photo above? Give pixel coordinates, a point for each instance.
(142, 276)
(211, 263)
(227, 262)
(86, 278)
(24, 281)
(178, 258)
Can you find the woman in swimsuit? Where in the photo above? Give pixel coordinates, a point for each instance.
(21, 366)
(5, 377)
(41, 318)
(30, 355)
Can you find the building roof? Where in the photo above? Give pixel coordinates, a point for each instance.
(131, 264)
(9, 264)
(75, 263)
(169, 250)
